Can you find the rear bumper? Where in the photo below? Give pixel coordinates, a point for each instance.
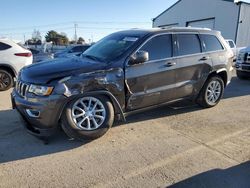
(48, 112)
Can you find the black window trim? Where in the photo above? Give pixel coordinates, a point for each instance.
(146, 41)
(201, 43)
(175, 47)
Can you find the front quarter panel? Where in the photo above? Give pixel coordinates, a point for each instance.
(111, 80)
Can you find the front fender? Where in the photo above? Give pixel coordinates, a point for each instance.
(107, 82)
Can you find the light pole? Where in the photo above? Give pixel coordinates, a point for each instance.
(76, 33)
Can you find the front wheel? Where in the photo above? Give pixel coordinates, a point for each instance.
(211, 92)
(88, 117)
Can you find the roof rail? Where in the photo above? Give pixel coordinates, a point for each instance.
(189, 27)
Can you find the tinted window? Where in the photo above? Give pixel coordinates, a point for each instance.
(76, 49)
(188, 44)
(159, 47)
(112, 46)
(231, 44)
(4, 46)
(211, 43)
(33, 51)
(84, 48)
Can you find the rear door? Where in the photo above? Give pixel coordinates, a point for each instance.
(154, 81)
(193, 65)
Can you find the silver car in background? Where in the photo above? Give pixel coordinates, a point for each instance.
(72, 51)
(243, 64)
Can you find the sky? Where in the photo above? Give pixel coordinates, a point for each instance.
(94, 18)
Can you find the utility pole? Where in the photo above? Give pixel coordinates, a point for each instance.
(24, 38)
(76, 32)
(92, 37)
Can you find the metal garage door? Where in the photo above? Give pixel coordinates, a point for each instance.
(169, 25)
(208, 23)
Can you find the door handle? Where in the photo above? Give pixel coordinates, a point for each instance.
(170, 64)
(205, 58)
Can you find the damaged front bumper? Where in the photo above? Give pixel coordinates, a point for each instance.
(40, 115)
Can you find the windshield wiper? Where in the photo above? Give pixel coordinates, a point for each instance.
(93, 57)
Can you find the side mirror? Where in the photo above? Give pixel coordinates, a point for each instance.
(139, 57)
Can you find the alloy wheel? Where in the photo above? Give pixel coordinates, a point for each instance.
(213, 92)
(5, 81)
(88, 113)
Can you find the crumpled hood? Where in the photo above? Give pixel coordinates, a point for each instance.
(43, 73)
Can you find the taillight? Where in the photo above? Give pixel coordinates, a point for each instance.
(23, 54)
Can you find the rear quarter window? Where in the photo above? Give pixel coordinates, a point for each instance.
(4, 46)
(211, 43)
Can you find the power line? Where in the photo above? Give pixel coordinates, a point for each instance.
(71, 23)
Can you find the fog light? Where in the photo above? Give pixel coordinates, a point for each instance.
(33, 113)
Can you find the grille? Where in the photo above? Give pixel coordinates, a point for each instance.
(248, 58)
(22, 88)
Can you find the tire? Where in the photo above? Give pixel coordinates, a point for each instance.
(208, 99)
(241, 76)
(82, 131)
(6, 80)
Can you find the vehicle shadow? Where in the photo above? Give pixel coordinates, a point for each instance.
(237, 88)
(234, 177)
(17, 144)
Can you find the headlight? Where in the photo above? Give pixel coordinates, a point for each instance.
(240, 57)
(40, 90)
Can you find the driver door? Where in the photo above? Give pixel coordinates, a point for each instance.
(152, 82)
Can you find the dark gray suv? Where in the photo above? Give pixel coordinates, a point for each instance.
(123, 73)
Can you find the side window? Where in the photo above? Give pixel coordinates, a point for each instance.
(159, 47)
(231, 44)
(76, 49)
(84, 48)
(211, 43)
(188, 44)
(4, 46)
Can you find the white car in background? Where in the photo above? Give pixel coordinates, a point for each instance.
(233, 47)
(13, 57)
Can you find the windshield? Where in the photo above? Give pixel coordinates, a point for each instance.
(111, 47)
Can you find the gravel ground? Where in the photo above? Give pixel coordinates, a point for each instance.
(181, 145)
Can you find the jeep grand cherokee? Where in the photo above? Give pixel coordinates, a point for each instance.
(123, 73)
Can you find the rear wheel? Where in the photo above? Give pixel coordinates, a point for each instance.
(88, 117)
(212, 92)
(6, 80)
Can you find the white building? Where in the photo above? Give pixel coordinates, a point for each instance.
(229, 17)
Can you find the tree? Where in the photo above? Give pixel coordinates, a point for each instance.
(36, 35)
(80, 41)
(56, 38)
(36, 38)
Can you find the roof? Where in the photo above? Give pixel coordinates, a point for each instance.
(232, 1)
(143, 32)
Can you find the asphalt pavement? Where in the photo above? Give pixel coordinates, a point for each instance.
(181, 145)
